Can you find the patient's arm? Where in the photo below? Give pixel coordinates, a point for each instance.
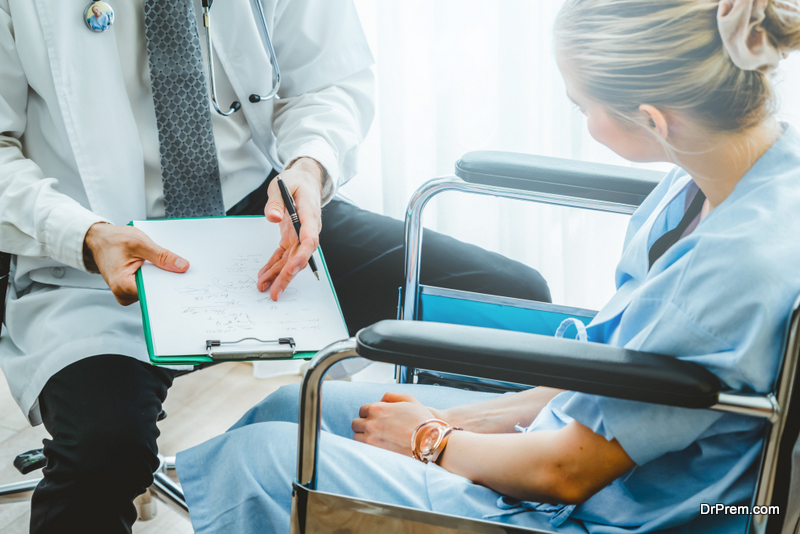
(564, 466)
(501, 414)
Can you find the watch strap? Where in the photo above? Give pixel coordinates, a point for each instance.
(436, 456)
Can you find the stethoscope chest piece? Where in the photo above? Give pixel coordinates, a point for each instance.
(98, 16)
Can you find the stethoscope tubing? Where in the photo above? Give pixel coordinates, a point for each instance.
(276, 71)
(273, 59)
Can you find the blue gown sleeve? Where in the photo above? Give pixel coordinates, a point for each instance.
(648, 431)
(644, 431)
(689, 311)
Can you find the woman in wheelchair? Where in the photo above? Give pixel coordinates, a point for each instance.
(683, 81)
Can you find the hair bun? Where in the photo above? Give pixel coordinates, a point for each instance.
(673, 55)
(782, 24)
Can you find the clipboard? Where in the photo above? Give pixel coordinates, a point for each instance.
(214, 312)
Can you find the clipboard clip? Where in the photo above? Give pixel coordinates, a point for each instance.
(281, 348)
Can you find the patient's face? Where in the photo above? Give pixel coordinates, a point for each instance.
(630, 141)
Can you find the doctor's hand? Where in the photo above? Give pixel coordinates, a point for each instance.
(303, 179)
(390, 423)
(117, 252)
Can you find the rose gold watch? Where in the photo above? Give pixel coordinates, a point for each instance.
(429, 440)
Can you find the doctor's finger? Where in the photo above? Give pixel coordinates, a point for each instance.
(274, 210)
(310, 215)
(288, 233)
(282, 281)
(280, 284)
(279, 253)
(276, 268)
(267, 278)
(299, 256)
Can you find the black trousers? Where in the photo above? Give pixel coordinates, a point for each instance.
(101, 412)
(365, 256)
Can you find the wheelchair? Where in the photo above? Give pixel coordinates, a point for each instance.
(441, 338)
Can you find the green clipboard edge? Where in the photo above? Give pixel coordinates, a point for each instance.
(200, 359)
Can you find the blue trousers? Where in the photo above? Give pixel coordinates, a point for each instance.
(241, 481)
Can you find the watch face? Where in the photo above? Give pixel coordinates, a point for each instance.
(430, 441)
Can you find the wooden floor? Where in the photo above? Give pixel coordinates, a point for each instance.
(199, 406)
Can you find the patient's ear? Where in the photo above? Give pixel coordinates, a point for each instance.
(655, 120)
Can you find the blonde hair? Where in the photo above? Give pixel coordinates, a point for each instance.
(669, 53)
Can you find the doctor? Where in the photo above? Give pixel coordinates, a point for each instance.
(73, 357)
(70, 179)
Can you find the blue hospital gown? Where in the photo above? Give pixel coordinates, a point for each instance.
(720, 296)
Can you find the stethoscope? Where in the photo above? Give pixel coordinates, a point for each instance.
(276, 71)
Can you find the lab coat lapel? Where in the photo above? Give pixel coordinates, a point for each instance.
(94, 108)
(236, 33)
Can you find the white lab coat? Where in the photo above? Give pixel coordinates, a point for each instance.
(62, 170)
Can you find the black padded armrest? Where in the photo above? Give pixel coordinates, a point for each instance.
(610, 183)
(540, 360)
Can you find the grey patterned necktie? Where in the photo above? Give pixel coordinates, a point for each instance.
(189, 165)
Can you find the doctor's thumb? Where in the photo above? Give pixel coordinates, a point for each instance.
(166, 260)
(274, 208)
(274, 211)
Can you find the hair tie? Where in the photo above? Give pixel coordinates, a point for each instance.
(739, 23)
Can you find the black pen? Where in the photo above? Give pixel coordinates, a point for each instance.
(289, 203)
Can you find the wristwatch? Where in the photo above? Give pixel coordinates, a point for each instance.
(429, 440)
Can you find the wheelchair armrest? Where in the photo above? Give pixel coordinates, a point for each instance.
(576, 179)
(540, 360)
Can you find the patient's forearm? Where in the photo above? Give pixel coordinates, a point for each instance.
(501, 414)
(565, 466)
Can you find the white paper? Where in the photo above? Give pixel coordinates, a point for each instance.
(217, 298)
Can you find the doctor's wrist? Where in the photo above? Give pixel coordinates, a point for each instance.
(311, 166)
(88, 252)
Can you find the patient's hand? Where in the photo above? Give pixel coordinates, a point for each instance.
(389, 424)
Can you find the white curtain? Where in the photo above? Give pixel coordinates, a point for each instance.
(462, 75)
